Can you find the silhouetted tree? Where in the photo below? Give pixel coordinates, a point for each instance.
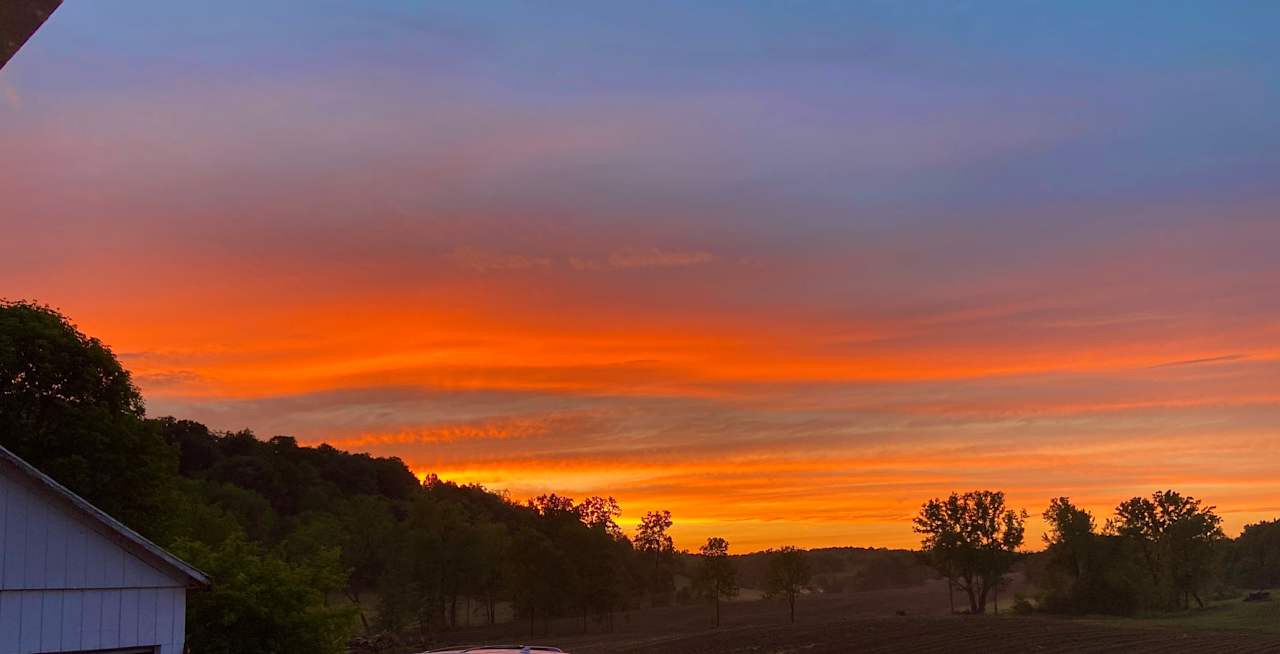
(1254, 561)
(789, 576)
(1086, 572)
(651, 534)
(1069, 535)
(489, 548)
(1176, 536)
(602, 513)
(973, 537)
(539, 572)
(69, 408)
(655, 544)
(716, 578)
(552, 505)
(600, 554)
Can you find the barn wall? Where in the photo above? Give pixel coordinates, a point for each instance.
(65, 586)
(76, 620)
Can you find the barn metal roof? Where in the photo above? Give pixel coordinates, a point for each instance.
(127, 537)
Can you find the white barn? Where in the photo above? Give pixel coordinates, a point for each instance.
(73, 579)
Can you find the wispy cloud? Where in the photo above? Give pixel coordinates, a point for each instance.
(159, 381)
(1194, 362)
(558, 423)
(658, 258)
(645, 258)
(484, 261)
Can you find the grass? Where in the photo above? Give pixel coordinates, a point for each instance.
(1221, 615)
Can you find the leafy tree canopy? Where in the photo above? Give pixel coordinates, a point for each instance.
(789, 575)
(717, 577)
(68, 407)
(972, 538)
(262, 603)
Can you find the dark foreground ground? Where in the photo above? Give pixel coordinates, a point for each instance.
(869, 622)
(926, 634)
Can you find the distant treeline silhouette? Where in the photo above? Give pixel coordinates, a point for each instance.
(1155, 553)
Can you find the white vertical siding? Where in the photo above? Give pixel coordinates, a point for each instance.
(73, 621)
(110, 628)
(66, 586)
(10, 620)
(179, 618)
(47, 546)
(43, 621)
(91, 621)
(164, 615)
(29, 638)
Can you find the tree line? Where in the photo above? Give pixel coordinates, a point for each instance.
(1158, 553)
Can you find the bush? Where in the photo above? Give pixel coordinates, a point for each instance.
(1023, 606)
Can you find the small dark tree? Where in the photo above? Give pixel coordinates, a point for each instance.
(717, 578)
(1069, 536)
(789, 576)
(651, 534)
(973, 537)
(655, 544)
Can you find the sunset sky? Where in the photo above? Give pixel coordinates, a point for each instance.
(786, 269)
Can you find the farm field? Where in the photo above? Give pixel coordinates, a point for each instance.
(869, 622)
(959, 634)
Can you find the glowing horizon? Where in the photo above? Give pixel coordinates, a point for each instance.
(788, 275)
